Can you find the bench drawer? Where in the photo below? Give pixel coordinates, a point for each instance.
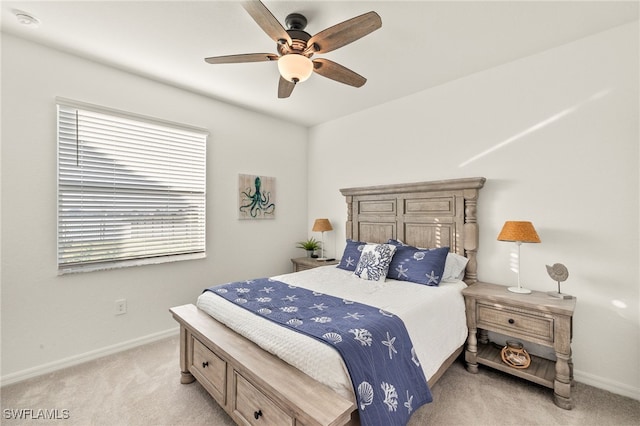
(212, 369)
(255, 408)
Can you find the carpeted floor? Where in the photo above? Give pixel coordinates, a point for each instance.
(142, 387)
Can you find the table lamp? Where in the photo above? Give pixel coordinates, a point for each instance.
(519, 232)
(322, 225)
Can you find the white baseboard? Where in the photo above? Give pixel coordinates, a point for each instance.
(87, 356)
(606, 384)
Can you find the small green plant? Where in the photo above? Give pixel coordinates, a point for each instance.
(309, 245)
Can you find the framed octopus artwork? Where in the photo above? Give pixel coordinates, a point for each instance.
(256, 197)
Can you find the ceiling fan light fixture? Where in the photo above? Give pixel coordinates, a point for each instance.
(295, 67)
(295, 47)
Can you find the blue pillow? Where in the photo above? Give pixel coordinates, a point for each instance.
(351, 255)
(422, 266)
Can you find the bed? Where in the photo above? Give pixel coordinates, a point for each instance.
(256, 370)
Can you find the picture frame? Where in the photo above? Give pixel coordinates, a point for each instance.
(256, 197)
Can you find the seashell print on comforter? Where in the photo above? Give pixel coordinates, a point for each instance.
(374, 344)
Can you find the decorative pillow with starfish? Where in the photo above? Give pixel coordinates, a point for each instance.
(351, 255)
(422, 266)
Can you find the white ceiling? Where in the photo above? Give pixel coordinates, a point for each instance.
(421, 44)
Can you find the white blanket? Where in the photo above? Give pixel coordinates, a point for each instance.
(433, 316)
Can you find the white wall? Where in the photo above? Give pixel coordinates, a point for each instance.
(49, 320)
(556, 136)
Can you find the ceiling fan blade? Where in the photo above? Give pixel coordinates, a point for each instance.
(248, 57)
(285, 87)
(265, 19)
(337, 72)
(344, 33)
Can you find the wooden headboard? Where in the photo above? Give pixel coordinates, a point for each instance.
(422, 214)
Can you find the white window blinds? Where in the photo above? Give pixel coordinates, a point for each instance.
(128, 189)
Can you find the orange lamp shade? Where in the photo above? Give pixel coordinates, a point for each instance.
(519, 231)
(321, 225)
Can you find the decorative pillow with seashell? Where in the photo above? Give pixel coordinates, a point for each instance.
(454, 265)
(421, 266)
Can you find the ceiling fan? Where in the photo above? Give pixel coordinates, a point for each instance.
(296, 47)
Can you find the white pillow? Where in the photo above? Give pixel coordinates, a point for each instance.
(374, 262)
(454, 267)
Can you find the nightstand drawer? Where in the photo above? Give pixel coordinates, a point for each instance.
(302, 267)
(304, 263)
(515, 322)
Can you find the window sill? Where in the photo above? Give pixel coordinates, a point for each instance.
(128, 263)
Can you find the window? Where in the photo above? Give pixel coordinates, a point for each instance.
(131, 190)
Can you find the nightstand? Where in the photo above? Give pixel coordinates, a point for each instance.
(535, 318)
(302, 263)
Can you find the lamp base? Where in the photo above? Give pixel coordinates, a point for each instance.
(519, 290)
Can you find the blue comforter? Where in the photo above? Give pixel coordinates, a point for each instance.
(387, 378)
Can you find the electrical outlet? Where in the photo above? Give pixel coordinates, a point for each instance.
(121, 306)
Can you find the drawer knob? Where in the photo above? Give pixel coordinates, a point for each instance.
(257, 414)
(511, 320)
(205, 364)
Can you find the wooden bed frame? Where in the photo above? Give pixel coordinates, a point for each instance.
(256, 387)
